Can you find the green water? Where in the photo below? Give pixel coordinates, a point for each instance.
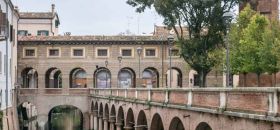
(66, 119)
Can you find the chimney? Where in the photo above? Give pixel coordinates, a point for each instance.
(53, 8)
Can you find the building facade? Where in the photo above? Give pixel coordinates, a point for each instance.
(39, 23)
(8, 61)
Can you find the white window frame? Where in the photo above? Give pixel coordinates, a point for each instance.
(156, 51)
(98, 48)
(29, 48)
(127, 48)
(51, 48)
(74, 48)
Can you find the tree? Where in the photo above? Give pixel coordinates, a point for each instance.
(271, 51)
(254, 45)
(206, 28)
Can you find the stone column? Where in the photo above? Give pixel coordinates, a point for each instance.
(100, 121)
(105, 124)
(91, 122)
(119, 126)
(95, 122)
(112, 124)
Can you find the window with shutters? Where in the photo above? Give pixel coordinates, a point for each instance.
(43, 33)
(22, 32)
(174, 52)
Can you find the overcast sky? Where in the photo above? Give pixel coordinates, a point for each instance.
(95, 17)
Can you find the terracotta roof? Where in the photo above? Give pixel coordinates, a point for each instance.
(36, 15)
(91, 38)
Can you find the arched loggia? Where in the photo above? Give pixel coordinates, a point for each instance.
(78, 78)
(126, 78)
(53, 78)
(150, 77)
(174, 76)
(102, 78)
(130, 123)
(29, 78)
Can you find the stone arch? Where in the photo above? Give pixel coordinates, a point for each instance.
(29, 78)
(113, 113)
(193, 78)
(142, 121)
(176, 124)
(120, 117)
(102, 78)
(53, 78)
(112, 117)
(176, 77)
(92, 106)
(57, 117)
(126, 78)
(78, 78)
(27, 111)
(106, 114)
(150, 78)
(157, 122)
(203, 126)
(130, 123)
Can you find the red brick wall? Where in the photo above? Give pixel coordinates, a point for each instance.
(143, 95)
(206, 99)
(247, 102)
(158, 96)
(178, 97)
(131, 93)
(252, 80)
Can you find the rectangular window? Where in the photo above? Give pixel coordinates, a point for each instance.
(54, 52)
(43, 33)
(22, 32)
(102, 52)
(150, 52)
(175, 52)
(78, 52)
(127, 52)
(30, 52)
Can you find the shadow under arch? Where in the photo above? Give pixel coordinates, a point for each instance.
(203, 126)
(142, 121)
(157, 122)
(176, 124)
(65, 117)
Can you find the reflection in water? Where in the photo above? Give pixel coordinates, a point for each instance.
(65, 118)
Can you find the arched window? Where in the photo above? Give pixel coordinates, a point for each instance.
(78, 78)
(150, 78)
(175, 78)
(53, 78)
(29, 78)
(157, 123)
(126, 78)
(102, 78)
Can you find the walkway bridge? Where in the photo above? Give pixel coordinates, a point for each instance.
(163, 108)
